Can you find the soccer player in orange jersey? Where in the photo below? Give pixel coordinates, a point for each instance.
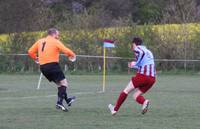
(46, 52)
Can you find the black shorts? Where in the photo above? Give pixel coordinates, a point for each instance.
(52, 72)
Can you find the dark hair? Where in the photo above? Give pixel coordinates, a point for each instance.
(52, 31)
(137, 41)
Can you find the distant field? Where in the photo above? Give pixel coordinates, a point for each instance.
(175, 104)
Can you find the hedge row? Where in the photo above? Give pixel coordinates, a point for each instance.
(171, 41)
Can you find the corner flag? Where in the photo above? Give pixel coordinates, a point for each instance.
(107, 43)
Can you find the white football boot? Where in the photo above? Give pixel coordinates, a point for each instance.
(62, 107)
(145, 106)
(112, 111)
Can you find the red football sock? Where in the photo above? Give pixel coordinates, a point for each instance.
(120, 100)
(140, 99)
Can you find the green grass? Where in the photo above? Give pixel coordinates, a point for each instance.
(175, 102)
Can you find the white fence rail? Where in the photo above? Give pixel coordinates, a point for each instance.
(92, 63)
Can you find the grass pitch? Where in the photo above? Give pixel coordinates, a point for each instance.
(175, 102)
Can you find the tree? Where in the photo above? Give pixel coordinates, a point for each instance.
(22, 15)
(147, 11)
(180, 11)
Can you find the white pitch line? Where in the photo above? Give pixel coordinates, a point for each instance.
(47, 96)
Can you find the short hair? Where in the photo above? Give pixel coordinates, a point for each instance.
(52, 31)
(137, 41)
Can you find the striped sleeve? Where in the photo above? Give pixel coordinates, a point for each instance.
(139, 55)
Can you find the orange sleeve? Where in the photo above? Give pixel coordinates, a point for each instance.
(68, 52)
(32, 51)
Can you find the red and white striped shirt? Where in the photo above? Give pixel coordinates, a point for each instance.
(144, 61)
(148, 70)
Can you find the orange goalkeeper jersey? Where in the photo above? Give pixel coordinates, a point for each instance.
(48, 50)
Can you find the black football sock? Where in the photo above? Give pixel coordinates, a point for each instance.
(65, 94)
(61, 94)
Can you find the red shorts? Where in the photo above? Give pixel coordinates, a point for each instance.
(143, 82)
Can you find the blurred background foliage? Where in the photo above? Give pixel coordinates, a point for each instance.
(37, 15)
(169, 28)
(169, 41)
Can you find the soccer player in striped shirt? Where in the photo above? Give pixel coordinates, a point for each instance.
(48, 49)
(142, 81)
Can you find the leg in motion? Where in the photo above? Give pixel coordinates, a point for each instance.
(61, 96)
(141, 100)
(69, 100)
(122, 97)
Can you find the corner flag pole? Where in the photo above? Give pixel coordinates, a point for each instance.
(39, 81)
(104, 68)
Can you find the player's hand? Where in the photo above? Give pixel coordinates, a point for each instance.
(131, 64)
(37, 60)
(72, 59)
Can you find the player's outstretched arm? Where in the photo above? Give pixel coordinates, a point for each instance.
(68, 52)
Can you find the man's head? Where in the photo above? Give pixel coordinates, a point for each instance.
(53, 32)
(136, 41)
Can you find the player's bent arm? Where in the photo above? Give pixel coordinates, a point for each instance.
(32, 51)
(68, 52)
(132, 65)
(139, 56)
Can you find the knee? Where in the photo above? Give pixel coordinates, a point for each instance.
(127, 91)
(136, 94)
(63, 83)
(129, 88)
